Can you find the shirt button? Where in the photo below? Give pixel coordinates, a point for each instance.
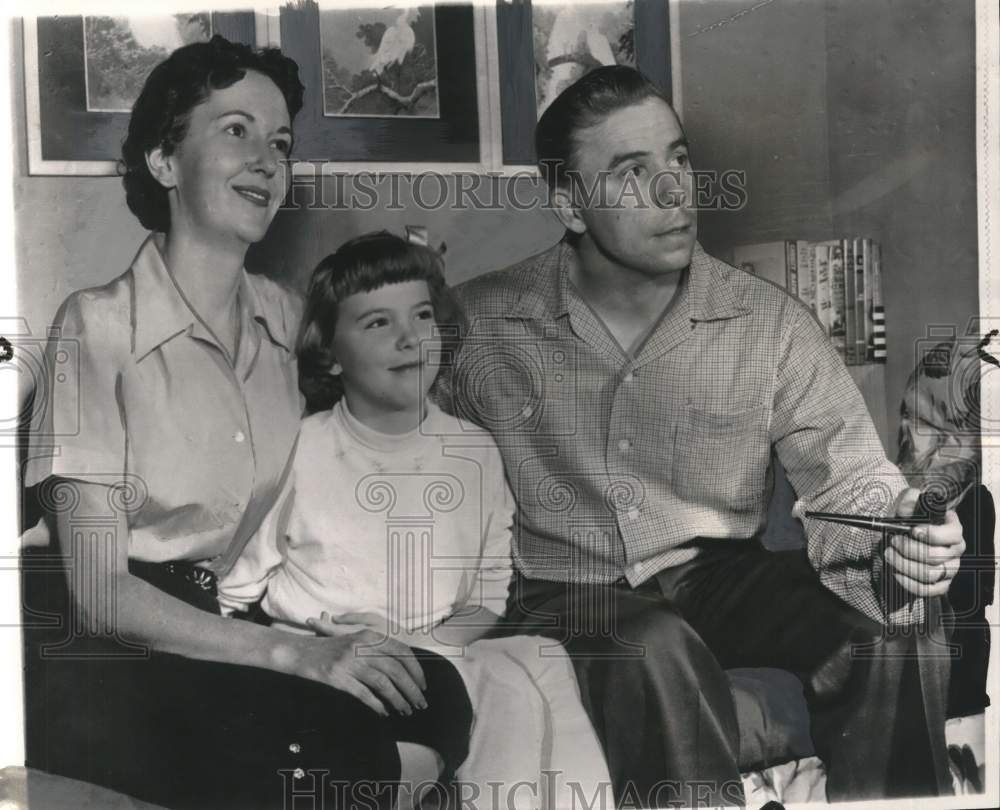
(629, 377)
(632, 514)
(624, 445)
(240, 437)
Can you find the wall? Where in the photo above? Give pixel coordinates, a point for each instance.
(903, 162)
(849, 117)
(492, 236)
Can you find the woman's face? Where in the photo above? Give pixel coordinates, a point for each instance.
(229, 174)
(386, 350)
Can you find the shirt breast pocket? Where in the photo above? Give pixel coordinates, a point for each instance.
(721, 458)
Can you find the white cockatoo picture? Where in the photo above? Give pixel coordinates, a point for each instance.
(581, 38)
(397, 41)
(379, 61)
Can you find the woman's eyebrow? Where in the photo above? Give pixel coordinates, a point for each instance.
(282, 130)
(236, 112)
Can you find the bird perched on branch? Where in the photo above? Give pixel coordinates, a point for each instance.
(397, 41)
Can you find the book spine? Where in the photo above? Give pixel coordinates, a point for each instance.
(791, 268)
(821, 259)
(878, 310)
(806, 274)
(861, 322)
(837, 298)
(850, 316)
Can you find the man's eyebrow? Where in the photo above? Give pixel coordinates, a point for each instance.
(280, 130)
(621, 157)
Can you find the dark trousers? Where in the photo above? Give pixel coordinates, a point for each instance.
(651, 661)
(185, 733)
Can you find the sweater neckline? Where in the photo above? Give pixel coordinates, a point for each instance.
(387, 443)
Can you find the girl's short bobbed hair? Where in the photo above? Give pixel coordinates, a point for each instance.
(361, 265)
(176, 86)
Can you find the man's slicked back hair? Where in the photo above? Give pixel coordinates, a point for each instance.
(586, 103)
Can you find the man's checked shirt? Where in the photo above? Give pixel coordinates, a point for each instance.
(618, 462)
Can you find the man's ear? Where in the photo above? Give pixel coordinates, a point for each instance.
(161, 166)
(566, 208)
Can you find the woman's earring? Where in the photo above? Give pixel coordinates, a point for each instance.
(336, 369)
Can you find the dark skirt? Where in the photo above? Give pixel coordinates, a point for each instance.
(185, 733)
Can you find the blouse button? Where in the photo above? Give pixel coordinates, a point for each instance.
(624, 445)
(629, 377)
(240, 437)
(295, 748)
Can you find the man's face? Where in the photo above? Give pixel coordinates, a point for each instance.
(637, 159)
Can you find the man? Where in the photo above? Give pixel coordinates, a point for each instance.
(637, 388)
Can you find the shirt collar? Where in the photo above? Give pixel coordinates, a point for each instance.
(711, 295)
(545, 287)
(161, 313)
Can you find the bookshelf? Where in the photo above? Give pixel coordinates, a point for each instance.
(839, 279)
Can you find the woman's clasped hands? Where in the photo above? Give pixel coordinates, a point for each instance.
(380, 671)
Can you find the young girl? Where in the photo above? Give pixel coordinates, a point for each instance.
(396, 517)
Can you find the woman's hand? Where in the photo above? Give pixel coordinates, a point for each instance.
(378, 671)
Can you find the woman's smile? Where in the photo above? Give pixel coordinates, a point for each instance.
(257, 196)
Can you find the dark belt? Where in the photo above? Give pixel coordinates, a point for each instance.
(183, 580)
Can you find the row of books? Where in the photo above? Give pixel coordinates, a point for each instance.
(840, 280)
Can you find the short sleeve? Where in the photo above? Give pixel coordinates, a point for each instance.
(78, 424)
(247, 580)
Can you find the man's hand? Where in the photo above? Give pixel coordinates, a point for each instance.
(925, 559)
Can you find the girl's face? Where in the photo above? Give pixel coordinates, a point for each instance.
(229, 174)
(387, 353)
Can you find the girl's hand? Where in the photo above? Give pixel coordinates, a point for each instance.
(378, 671)
(327, 625)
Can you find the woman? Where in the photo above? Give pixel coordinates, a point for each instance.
(188, 410)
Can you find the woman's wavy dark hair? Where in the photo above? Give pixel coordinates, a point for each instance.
(161, 114)
(360, 265)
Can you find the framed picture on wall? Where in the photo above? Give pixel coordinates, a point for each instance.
(386, 84)
(544, 47)
(83, 73)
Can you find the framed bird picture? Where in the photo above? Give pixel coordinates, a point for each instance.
(546, 46)
(83, 73)
(385, 84)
